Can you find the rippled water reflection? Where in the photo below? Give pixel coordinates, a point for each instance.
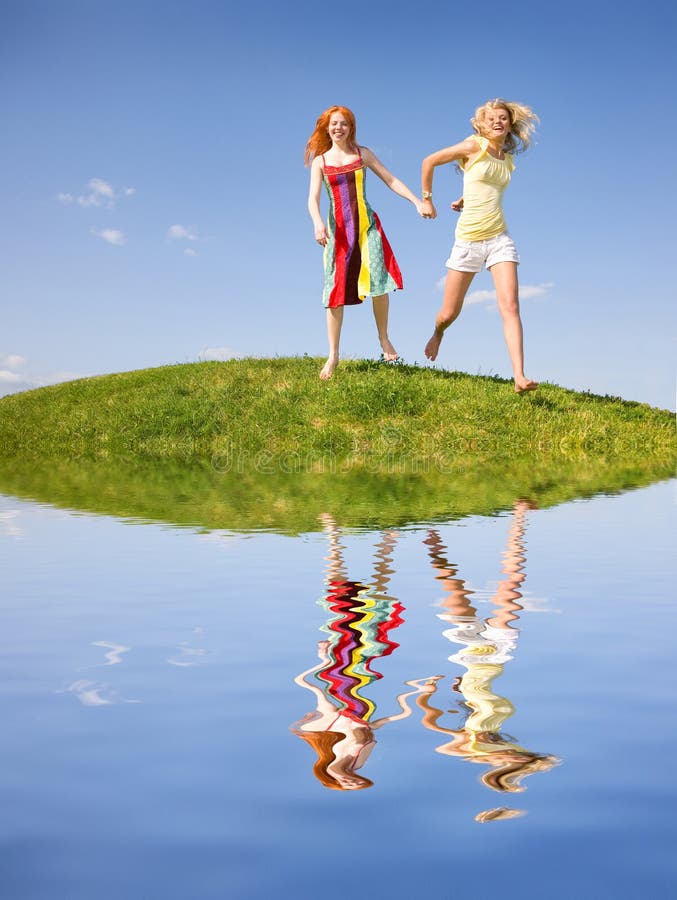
(438, 709)
(361, 619)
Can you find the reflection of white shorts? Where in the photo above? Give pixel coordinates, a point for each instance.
(472, 256)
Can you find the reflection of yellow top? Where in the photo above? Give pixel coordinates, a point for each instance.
(489, 711)
(484, 180)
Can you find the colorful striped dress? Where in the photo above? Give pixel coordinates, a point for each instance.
(359, 630)
(358, 260)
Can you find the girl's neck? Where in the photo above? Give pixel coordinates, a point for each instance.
(497, 145)
(343, 148)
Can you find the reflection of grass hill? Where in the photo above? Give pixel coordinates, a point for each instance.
(264, 443)
(277, 416)
(197, 495)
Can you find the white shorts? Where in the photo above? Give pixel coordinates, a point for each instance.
(472, 256)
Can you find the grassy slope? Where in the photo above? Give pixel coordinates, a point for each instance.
(241, 444)
(268, 413)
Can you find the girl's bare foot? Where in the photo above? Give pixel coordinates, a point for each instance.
(432, 348)
(525, 384)
(328, 368)
(390, 354)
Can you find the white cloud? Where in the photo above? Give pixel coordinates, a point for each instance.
(480, 296)
(114, 656)
(87, 693)
(226, 539)
(99, 193)
(99, 186)
(526, 292)
(189, 252)
(218, 353)
(12, 360)
(7, 523)
(529, 291)
(13, 383)
(180, 232)
(111, 235)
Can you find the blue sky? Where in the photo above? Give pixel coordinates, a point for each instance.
(154, 192)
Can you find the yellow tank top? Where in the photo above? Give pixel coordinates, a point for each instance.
(484, 180)
(489, 711)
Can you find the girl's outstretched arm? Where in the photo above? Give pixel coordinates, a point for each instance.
(399, 187)
(314, 201)
(301, 679)
(402, 702)
(463, 150)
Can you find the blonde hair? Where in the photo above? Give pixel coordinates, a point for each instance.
(523, 121)
(508, 774)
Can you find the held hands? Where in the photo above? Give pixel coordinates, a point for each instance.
(428, 210)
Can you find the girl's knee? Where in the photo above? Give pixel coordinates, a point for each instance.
(509, 309)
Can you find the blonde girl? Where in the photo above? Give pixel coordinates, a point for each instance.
(501, 130)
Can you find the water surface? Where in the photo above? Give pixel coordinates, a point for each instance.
(464, 706)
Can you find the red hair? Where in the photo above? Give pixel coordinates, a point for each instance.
(319, 141)
(323, 743)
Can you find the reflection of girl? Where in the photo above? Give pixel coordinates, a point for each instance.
(342, 741)
(341, 729)
(486, 645)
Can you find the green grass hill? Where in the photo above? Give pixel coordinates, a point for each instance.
(263, 443)
(277, 412)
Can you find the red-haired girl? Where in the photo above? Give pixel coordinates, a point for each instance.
(358, 260)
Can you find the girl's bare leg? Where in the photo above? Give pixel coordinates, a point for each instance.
(381, 306)
(455, 289)
(334, 323)
(507, 294)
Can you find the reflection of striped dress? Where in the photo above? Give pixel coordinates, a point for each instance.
(359, 634)
(358, 260)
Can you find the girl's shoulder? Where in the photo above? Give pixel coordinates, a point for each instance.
(481, 143)
(476, 147)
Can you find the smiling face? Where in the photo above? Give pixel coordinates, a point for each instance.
(339, 129)
(495, 123)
